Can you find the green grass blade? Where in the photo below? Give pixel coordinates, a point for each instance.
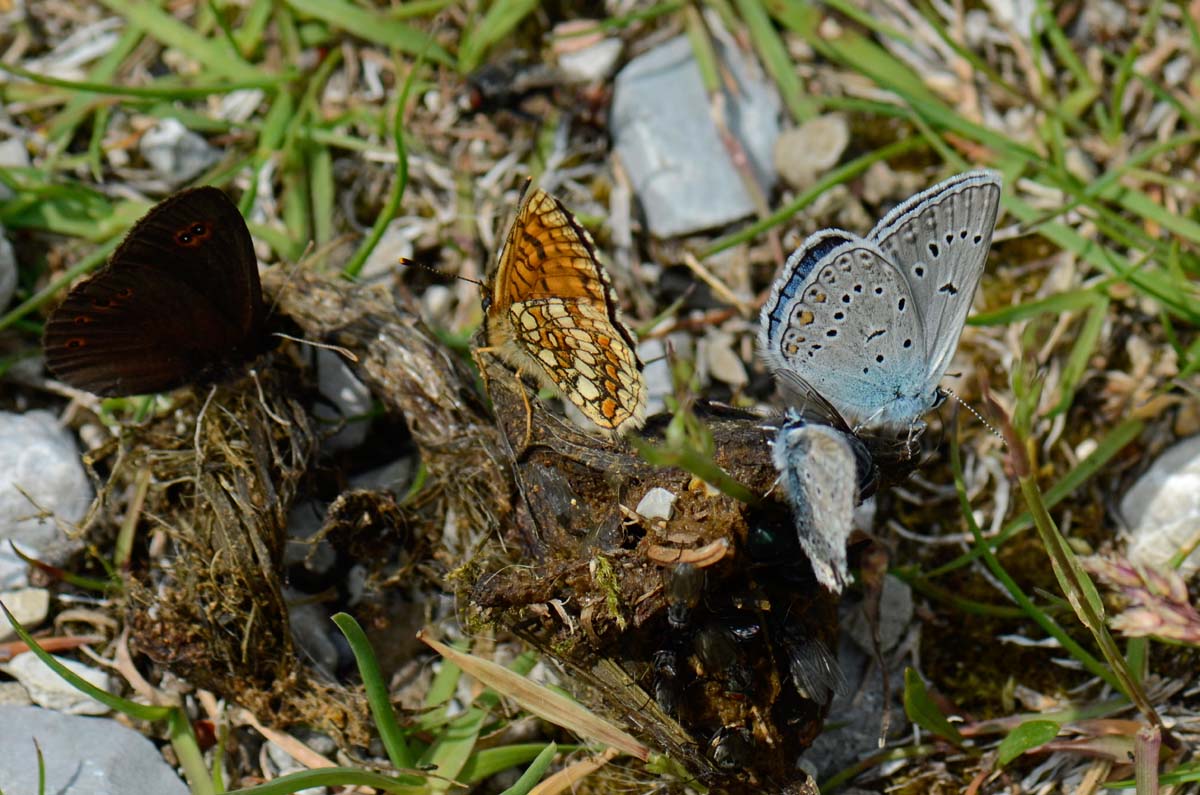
(377, 692)
(1029, 735)
(533, 774)
(487, 762)
(130, 708)
(775, 57)
(502, 18)
(399, 184)
(216, 54)
(1112, 444)
(922, 710)
(372, 26)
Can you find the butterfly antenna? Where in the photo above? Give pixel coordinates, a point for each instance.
(411, 263)
(976, 414)
(346, 352)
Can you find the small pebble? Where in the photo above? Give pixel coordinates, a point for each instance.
(721, 360)
(657, 375)
(657, 504)
(1162, 508)
(584, 59)
(49, 690)
(40, 459)
(175, 152)
(310, 626)
(805, 153)
(29, 606)
(395, 243)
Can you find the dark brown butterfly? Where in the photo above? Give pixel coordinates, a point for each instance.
(179, 302)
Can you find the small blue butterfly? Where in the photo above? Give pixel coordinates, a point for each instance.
(820, 468)
(870, 324)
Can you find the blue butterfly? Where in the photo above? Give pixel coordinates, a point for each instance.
(869, 325)
(820, 469)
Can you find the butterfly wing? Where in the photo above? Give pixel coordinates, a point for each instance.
(549, 255)
(851, 331)
(939, 240)
(553, 312)
(574, 345)
(819, 473)
(179, 301)
(126, 331)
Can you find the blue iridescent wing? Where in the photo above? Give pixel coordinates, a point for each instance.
(842, 318)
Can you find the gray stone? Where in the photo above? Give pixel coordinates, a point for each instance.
(84, 756)
(664, 134)
(856, 715)
(40, 459)
(395, 476)
(49, 690)
(350, 398)
(175, 152)
(311, 627)
(1162, 508)
(895, 614)
(305, 521)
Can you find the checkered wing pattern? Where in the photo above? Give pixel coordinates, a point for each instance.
(553, 313)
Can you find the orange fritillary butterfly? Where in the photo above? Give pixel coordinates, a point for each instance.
(550, 310)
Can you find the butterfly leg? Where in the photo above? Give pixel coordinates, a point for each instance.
(528, 413)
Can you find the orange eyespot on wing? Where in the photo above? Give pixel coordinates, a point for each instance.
(553, 312)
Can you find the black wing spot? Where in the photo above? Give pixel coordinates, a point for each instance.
(839, 315)
(907, 343)
(875, 334)
(900, 305)
(858, 288)
(846, 298)
(933, 249)
(919, 271)
(831, 333)
(878, 291)
(866, 370)
(978, 239)
(879, 358)
(950, 238)
(948, 288)
(963, 234)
